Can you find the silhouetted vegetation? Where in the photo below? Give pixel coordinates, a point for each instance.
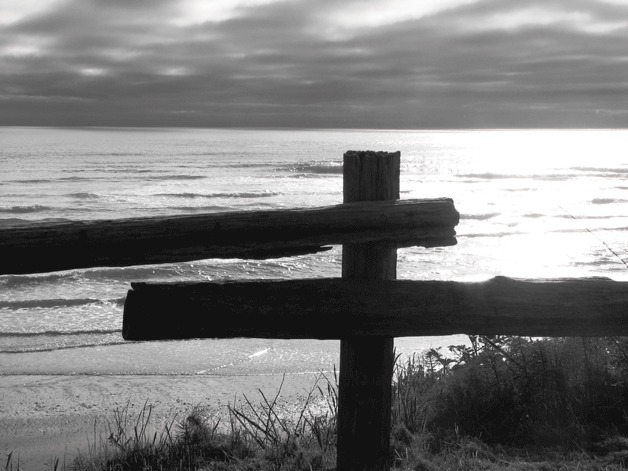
(517, 391)
(499, 403)
(504, 399)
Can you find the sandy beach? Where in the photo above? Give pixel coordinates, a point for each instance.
(44, 417)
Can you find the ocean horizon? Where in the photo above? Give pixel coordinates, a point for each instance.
(533, 204)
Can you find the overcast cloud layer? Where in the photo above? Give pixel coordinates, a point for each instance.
(325, 63)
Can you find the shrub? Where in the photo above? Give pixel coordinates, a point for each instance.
(513, 390)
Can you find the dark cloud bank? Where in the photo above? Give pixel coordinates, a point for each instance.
(490, 63)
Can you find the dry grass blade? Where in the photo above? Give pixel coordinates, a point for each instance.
(251, 427)
(9, 464)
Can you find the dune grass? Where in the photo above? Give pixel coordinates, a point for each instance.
(263, 435)
(502, 403)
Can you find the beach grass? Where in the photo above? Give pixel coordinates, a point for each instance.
(502, 403)
(262, 434)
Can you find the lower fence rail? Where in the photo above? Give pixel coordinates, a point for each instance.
(336, 308)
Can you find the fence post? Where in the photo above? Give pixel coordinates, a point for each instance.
(366, 363)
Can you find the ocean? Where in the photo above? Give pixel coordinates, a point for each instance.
(533, 204)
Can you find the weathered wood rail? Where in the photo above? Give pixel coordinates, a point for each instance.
(243, 234)
(336, 308)
(365, 309)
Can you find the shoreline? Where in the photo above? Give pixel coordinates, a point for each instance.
(52, 415)
(44, 417)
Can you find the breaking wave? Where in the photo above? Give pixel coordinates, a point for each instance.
(49, 303)
(597, 170)
(83, 195)
(56, 333)
(320, 168)
(607, 201)
(194, 209)
(479, 217)
(505, 176)
(177, 177)
(15, 222)
(266, 194)
(33, 208)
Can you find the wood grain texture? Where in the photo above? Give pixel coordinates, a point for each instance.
(246, 234)
(335, 308)
(366, 363)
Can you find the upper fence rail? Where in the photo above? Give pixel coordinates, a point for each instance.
(244, 234)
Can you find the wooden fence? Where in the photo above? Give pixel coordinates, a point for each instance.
(365, 309)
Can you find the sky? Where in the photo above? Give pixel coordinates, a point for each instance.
(380, 64)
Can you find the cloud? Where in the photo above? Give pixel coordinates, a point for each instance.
(359, 63)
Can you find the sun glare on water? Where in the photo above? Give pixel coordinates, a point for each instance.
(538, 200)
